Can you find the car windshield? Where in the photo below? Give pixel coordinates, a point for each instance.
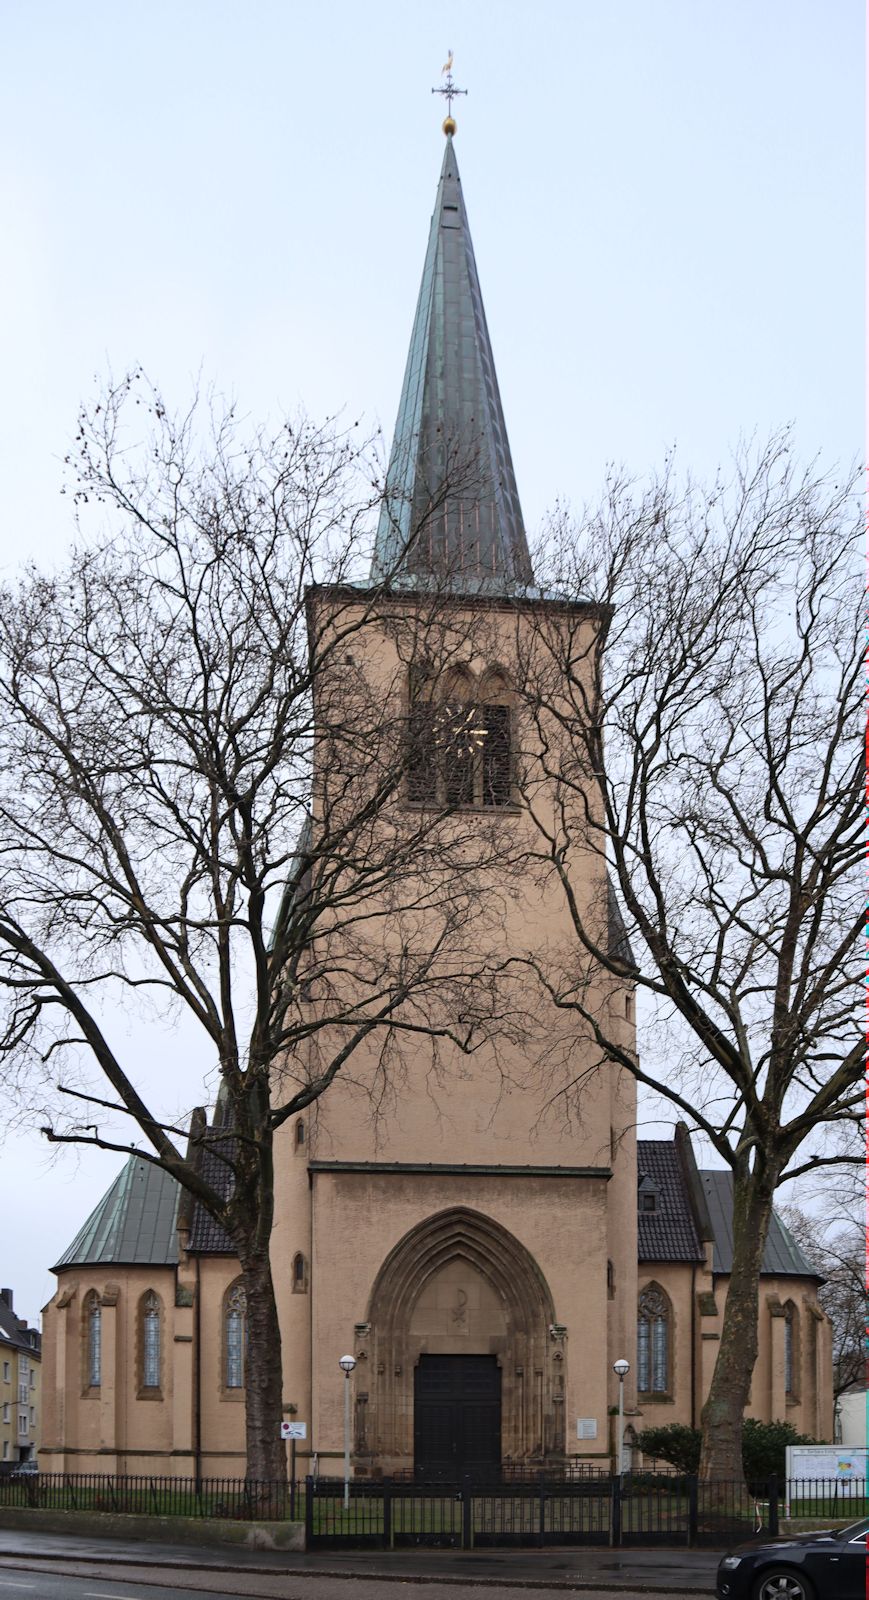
(857, 1530)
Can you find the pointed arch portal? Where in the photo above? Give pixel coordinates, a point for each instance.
(459, 1305)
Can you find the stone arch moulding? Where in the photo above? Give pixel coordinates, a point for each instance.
(532, 1359)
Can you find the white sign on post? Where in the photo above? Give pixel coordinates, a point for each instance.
(294, 1430)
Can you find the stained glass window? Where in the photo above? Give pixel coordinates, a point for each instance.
(653, 1342)
(94, 1342)
(234, 1323)
(150, 1341)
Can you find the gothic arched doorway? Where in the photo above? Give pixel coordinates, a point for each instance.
(460, 1306)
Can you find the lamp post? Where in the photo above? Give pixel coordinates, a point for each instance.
(347, 1363)
(621, 1369)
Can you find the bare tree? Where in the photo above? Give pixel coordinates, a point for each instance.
(167, 834)
(725, 692)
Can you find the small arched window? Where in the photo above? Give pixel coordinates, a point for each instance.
(300, 1134)
(93, 1316)
(234, 1335)
(654, 1338)
(150, 1334)
(610, 1280)
(300, 1274)
(791, 1349)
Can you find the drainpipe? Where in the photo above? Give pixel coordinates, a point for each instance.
(197, 1384)
(693, 1345)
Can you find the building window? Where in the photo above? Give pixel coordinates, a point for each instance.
(300, 1134)
(791, 1350)
(150, 1336)
(93, 1330)
(22, 1424)
(300, 1274)
(6, 1372)
(5, 1449)
(7, 1417)
(33, 1416)
(610, 1280)
(234, 1335)
(459, 747)
(653, 1341)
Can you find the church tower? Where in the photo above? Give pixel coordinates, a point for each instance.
(465, 1224)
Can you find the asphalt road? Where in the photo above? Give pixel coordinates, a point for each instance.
(62, 1582)
(33, 1566)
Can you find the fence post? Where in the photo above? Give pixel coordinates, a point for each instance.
(387, 1513)
(541, 1509)
(692, 1508)
(467, 1516)
(616, 1510)
(309, 1511)
(772, 1493)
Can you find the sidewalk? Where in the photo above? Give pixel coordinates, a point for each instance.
(653, 1571)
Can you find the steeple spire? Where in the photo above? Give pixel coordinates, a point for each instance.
(451, 508)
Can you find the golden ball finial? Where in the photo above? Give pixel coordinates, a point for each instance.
(449, 126)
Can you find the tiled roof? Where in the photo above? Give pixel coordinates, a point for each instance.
(782, 1254)
(670, 1232)
(207, 1236)
(15, 1331)
(134, 1223)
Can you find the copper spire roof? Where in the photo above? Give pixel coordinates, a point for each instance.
(451, 508)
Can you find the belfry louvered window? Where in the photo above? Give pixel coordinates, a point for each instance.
(459, 752)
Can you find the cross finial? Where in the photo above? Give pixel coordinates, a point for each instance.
(449, 92)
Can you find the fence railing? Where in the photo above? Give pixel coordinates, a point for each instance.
(516, 1506)
(239, 1499)
(548, 1508)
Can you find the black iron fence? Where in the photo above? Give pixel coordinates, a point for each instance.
(519, 1506)
(569, 1509)
(240, 1499)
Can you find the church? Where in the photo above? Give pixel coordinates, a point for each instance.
(483, 1259)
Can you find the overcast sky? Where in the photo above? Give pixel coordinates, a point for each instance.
(666, 201)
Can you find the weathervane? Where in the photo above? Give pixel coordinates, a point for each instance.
(449, 92)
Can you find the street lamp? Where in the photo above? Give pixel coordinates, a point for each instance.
(347, 1363)
(621, 1369)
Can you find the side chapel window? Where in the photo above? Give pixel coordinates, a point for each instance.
(93, 1340)
(234, 1331)
(460, 745)
(790, 1349)
(653, 1341)
(300, 1275)
(150, 1314)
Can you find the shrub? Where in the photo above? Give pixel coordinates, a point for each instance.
(763, 1447)
(676, 1443)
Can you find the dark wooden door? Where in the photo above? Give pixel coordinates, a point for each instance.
(456, 1417)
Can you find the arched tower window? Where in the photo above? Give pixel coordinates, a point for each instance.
(149, 1313)
(234, 1335)
(300, 1274)
(93, 1338)
(654, 1341)
(300, 1134)
(460, 740)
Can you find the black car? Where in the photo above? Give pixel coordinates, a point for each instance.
(809, 1566)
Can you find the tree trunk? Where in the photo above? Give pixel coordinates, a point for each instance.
(721, 1449)
(266, 1451)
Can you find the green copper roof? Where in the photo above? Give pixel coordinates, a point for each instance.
(134, 1223)
(451, 502)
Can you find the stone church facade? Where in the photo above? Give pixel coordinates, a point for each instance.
(483, 1258)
